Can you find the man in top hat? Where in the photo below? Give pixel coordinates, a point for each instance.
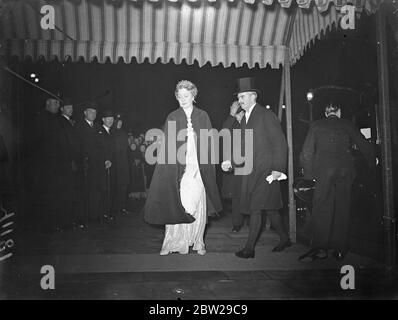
(269, 160)
(107, 141)
(91, 163)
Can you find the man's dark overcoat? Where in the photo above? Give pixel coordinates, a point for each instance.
(269, 154)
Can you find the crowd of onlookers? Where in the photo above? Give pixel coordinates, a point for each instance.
(82, 172)
(140, 171)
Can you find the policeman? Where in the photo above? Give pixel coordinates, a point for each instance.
(91, 163)
(107, 142)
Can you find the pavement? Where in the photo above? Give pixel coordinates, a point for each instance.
(120, 260)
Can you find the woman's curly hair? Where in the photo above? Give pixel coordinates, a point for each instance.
(188, 85)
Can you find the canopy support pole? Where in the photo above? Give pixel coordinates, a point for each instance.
(281, 95)
(386, 149)
(288, 103)
(286, 43)
(286, 91)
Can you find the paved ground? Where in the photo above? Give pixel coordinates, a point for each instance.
(120, 260)
(209, 285)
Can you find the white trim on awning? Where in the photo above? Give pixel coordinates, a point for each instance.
(227, 33)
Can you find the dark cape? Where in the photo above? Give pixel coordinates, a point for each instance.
(163, 205)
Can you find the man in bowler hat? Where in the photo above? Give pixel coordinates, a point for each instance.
(107, 142)
(91, 163)
(269, 160)
(68, 212)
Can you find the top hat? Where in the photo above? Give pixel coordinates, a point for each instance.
(246, 85)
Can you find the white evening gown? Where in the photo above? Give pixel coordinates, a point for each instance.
(179, 237)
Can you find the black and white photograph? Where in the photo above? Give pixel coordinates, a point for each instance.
(198, 156)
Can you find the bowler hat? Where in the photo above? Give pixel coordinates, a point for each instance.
(246, 85)
(89, 105)
(67, 101)
(107, 113)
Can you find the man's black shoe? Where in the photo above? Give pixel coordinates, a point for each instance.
(282, 246)
(314, 254)
(245, 254)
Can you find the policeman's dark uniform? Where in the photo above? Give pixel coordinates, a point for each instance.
(46, 169)
(69, 213)
(91, 168)
(107, 143)
(326, 157)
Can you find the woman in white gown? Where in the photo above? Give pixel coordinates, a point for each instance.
(179, 237)
(183, 191)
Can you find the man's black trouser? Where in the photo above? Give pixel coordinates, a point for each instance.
(331, 208)
(237, 217)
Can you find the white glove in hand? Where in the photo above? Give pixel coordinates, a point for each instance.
(226, 165)
(276, 175)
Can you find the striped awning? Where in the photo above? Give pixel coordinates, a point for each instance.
(220, 32)
(322, 5)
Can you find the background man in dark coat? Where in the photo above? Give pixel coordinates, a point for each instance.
(122, 172)
(48, 153)
(108, 154)
(326, 157)
(232, 183)
(69, 212)
(91, 164)
(269, 159)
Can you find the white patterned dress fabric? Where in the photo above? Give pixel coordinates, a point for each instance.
(179, 237)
